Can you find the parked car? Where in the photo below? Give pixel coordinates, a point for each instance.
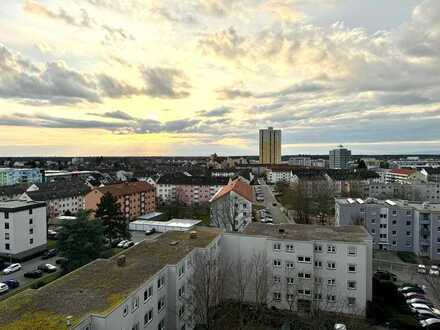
(416, 307)
(12, 284)
(48, 268)
(423, 315)
(128, 244)
(3, 288)
(60, 261)
(150, 232)
(412, 295)
(429, 322)
(12, 268)
(49, 254)
(34, 273)
(421, 269)
(419, 301)
(385, 275)
(408, 289)
(52, 234)
(122, 243)
(434, 270)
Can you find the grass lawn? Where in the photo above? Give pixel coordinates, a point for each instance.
(408, 257)
(51, 244)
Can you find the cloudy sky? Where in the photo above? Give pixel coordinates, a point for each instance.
(193, 77)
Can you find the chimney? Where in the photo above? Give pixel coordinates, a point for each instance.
(121, 260)
(193, 234)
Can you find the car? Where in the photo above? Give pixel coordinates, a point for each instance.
(34, 274)
(416, 307)
(385, 275)
(48, 268)
(434, 270)
(150, 232)
(412, 295)
(49, 254)
(419, 301)
(3, 288)
(52, 234)
(12, 284)
(421, 269)
(60, 261)
(12, 268)
(429, 322)
(409, 289)
(128, 244)
(423, 315)
(121, 243)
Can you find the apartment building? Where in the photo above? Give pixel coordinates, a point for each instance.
(275, 174)
(12, 176)
(432, 174)
(188, 190)
(404, 175)
(134, 198)
(339, 158)
(351, 181)
(149, 287)
(429, 192)
(396, 225)
(231, 206)
(270, 146)
(23, 228)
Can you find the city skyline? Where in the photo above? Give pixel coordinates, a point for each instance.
(98, 77)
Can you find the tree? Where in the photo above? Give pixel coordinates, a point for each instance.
(361, 164)
(114, 223)
(80, 241)
(222, 212)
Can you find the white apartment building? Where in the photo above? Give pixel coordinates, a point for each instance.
(339, 158)
(275, 175)
(300, 161)
(149, 286)
(23, 228)
(426, 192)
(404, 175)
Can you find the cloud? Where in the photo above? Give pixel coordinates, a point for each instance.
(165, 82)
(226, 43)
(114, 88)
(115, 115)
(217, 112)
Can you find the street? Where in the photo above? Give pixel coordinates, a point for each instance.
(270, 201)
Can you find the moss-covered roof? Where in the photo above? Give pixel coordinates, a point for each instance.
(99, 286)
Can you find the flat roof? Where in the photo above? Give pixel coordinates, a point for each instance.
(427, 206)
(150, 215)
(19, 205)
(186, 223)
(99, 286)
(299, 232)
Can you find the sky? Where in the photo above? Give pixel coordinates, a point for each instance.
(194, 77)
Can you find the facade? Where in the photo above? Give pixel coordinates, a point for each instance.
(150, 285)
(23, 228)
(12, 176)
(339, 158)
(351, 181)
(396, 225)
(231, 206)
(188, 190)
(425, 192)
(432, 174)
(270, 146)
(300, 161)
(135, 198)
(403, 175)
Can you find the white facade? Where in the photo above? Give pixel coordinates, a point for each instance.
(23, 228)
(274, 176)
(231, 212)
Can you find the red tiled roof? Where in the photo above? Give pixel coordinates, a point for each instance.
(126, 188)
(238, 186)
(403, 171)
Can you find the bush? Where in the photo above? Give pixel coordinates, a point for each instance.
(404, 322)
(408, 257)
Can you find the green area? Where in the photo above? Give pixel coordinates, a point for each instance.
(51, 244)
(179, 211)
(408, 257)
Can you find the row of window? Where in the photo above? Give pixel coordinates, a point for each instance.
(318, 248)
(307, 292)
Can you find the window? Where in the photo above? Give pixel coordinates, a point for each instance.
(351, 251)
(31, 241)
(408, 212)
(394, 212)
(134, 304)
(290, 280)
(277, 246)
(290, 248)
(161, 325)
(181, 291)
(31, 231)
(290, 297)
(182, 311)
(373, 221)
(331, 249)
(276, 279)
(161, 304)
(331, 265)
(125, 311)
(6, 217)
(6, 224)
(304, 259)
(351, 301)
(373, 231)
(383, 225)
(148, 293)
(318, 264)
(394, 233)
(351, 285)
(277, 263)
(135, 327)
(331, 281)
(408, 223)
(7, 246)
(394, 222)
(148, 317)
(408, 233)
(317, 296)
(290, 265)
(181, 270)
(317, 248)
(30, 211)
(304, 275)
(277, 296)
(331, 298)
(31, 221)
(6, 236)
(161, 282)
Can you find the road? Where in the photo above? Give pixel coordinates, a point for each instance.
(269, 201)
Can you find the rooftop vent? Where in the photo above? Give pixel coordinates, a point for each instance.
(121, 261)
(174, 243)
(193, 234)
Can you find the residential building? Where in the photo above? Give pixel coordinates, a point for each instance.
(23, 228)
(425, 192)
(339, 158)
(134, 198)
(12, 192)
(351, 181)
(432, 174)
(280, 173)
(188, 190)
(397, 225)
(404, 175)
(231, 206)
(270, 146)
(300, 161)
(61, 198)
(150, 285)
(12, 176)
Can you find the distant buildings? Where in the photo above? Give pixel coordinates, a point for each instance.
(23, 228)
(270, 146)
(427, 192)
(275, 174)
(231, 206)
(404, 175)
(135, 198)
(12, 176)
(339, 158)
(396, 225)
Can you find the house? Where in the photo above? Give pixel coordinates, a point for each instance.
(134, 198)
(231, 206)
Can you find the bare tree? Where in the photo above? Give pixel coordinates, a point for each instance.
(223, 213)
